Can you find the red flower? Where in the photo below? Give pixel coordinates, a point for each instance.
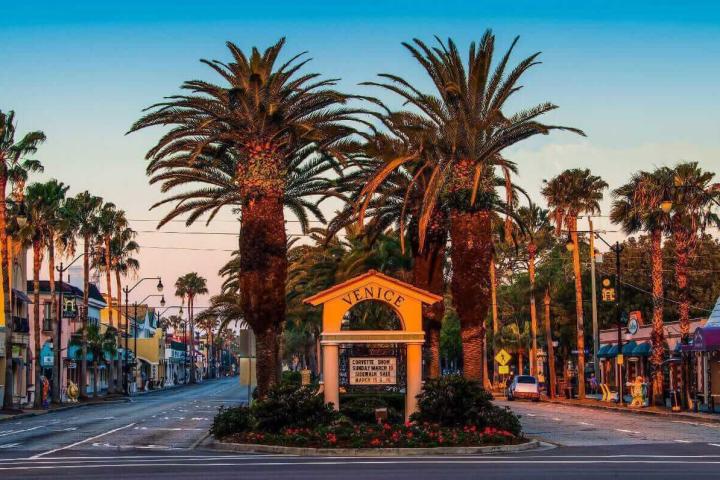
(375, 442)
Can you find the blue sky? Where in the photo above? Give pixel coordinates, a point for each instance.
(641, 78)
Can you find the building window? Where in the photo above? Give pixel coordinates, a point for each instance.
(47, 317)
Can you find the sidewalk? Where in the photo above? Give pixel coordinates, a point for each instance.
(657, 411)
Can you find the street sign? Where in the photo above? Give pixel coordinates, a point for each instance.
(504, 369)
(502, 357)
(620, 359)
(607, 293)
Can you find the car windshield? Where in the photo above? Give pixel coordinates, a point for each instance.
(525, 379)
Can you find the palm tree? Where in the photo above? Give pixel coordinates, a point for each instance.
(571, 193)
(188, 287)
(98, 344)
(110, 221)
(537, 232)
(14, 163)
(82, 210)
(238, 144)
(469, 130)
(122, 247)
(693, 202)
(398, 202)
(637, 206)
(40, 212)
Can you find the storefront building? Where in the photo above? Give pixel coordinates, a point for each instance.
(703, 355)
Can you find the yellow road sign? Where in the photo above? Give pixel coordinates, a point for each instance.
(502, 357)
(504, 369)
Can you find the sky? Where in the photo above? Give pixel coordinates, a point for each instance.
(640, 78)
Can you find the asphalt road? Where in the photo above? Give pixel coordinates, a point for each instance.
(153, 436)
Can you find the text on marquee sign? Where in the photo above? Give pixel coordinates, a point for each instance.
(373, 370)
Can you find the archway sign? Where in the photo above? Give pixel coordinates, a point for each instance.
(406, 300)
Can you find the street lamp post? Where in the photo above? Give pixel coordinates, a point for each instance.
(127, 290)
(56, 397)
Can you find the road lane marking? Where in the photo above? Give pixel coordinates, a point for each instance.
(586, 423)
(556, 419)
(40, 455)
(9, 445)
(683, 441)
(11, 432)
(714, 444)
(626, 431)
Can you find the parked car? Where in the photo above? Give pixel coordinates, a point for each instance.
(524, 386)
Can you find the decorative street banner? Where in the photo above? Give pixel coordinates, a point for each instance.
(373, 370)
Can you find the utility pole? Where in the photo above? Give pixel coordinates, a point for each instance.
(618, 290)
(593, 293)
(57, 371)
(550, 346)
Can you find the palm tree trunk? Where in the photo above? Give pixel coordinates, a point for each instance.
(37, 263)
(107, 280)
(495, 326)
(119, 364)
(193, 367)
(550, 347)
(681, 273)
(57, 316)
(263, 270)
(658, 333)
(471, 253)
(84, 318)
(532, 250)
(572, 226)
(7, 308)
(428, 275)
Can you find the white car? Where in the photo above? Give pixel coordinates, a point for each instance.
(524, 386)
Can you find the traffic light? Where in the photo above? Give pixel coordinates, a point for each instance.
(608, 294)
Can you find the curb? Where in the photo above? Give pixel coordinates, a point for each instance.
(683, 416)
(368, 452)
(60, 409)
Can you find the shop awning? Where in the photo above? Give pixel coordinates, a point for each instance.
(74, 352)
(612, 351)
(21, 296)
(705, 339)
(628, 347)
(642, 350)
(603, 352)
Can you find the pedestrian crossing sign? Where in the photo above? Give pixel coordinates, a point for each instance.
(502, 357)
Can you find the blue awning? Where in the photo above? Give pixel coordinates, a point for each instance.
(628, 347)
(642, 350)
(603, 352)
(74, 352)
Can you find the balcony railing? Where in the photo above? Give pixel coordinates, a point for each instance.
(20, 324)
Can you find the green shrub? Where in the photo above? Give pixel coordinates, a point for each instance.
(453, 401)
(291, 378)
(290, 406)
(361, 409)
(231, 420)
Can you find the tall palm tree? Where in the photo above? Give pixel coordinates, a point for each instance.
(188, 287)
(14, 162)
(110, 221)
(694, 201)
(571, 193)
(398, 201)
(238, 144)
(40, 209)
(467, 110)
(536, 232)
(637, 206)
(82, 212)
(123, 247)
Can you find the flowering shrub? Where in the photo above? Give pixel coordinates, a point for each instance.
(408, 435)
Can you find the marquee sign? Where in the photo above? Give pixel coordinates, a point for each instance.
(373, 370)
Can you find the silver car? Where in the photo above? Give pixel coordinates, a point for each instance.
(524, 386)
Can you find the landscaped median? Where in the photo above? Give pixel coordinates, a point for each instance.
(455, 416)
